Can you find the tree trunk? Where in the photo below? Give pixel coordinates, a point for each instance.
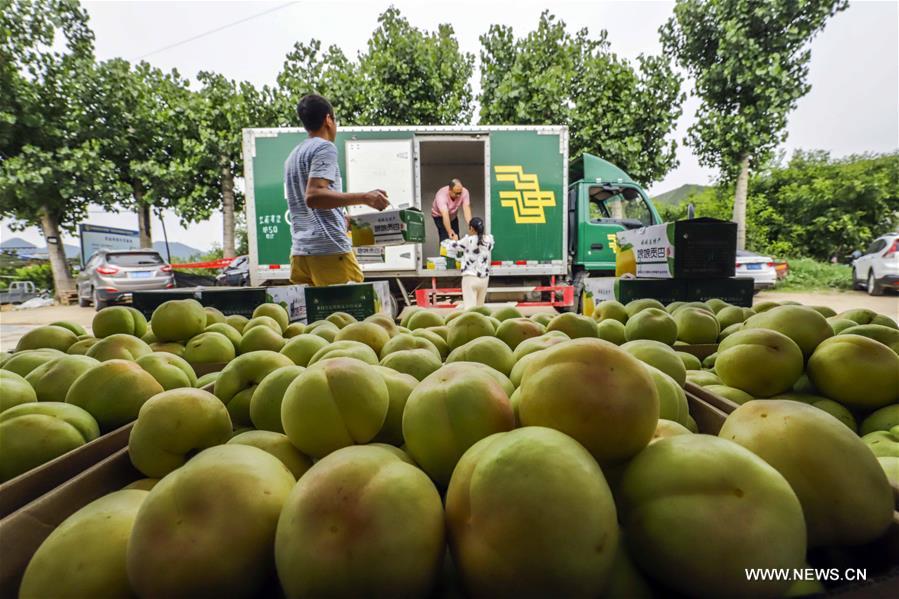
(62, 280)
(228, 250)
(740, 194)
(144, 219)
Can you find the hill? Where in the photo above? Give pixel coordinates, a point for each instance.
(179, 250)
(678, 195)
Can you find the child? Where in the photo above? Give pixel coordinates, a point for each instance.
(475, 248)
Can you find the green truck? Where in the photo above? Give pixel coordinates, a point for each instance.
(550, 234)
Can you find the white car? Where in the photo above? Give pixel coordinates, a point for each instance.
(878, 268)
(759, 268)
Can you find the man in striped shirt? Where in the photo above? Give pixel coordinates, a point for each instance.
(321, 252)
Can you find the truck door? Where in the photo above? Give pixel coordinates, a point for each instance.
(386, 164)
(605, 209)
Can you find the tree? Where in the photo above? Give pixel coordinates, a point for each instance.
(749, 61)
(550, 76)
(51, 168)
(222, 109)
(142, 119)
(406, 76)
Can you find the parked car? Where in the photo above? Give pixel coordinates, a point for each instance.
(760, 268)
(878, 267)
(112, 275)
(18, 292)
(236, 274)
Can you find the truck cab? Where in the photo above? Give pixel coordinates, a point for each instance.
(602, 200)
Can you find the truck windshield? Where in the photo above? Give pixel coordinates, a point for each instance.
(623, 205)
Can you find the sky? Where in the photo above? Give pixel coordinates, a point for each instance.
(853, 106)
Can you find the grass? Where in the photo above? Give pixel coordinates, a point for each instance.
(807, 274)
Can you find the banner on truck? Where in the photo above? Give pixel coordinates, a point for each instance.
(95, 237)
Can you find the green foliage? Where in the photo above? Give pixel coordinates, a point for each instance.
(749, 60)
(39, 274)
(406, 76)
(625, 114)
(807, 274)
(811, 206)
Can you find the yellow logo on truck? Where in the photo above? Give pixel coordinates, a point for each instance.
(528, 201)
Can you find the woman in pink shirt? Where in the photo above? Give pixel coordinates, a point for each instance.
(445, 209)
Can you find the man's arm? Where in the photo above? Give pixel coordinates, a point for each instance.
(466, 210)
(446, 223)
(320, 196)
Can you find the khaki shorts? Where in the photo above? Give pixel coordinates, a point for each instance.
(320, 271)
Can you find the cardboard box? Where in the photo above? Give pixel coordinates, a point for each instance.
(30, 485)
(291, 297)
(696, 248)
(391, 227)
(370, 254)
(359, 299)
(737, 291)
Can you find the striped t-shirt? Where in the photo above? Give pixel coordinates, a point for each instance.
(314, 232)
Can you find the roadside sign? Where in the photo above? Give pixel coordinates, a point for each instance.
(95, 237)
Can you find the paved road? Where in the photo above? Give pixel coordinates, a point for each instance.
(14, 324)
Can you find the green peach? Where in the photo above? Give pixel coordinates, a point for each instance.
(85, 555)
(727, 332)
(703, 378)
(696, 326)
(207, 379)
(485, 350)
(237, 321)
(765, 306)
(883, 443)
(118, 320)
(672, 489)
(672, 399)
(341, 319)
(573, 325)
(716, 305)
(335, 403)
(364, 332)
(239, 379)
(690, 361)
(177, 320)
(638, 305)
(513, 331)
(262, 321)
(659, 355)
(878, 332)
(448, 412)
(36, 432)
(612, 331)
(47, 337)
(407, 315)
(16, 390)
(651, 323)
(260, 338)
(844, 494)
(399, 387)
(805, 326)
(840, 324)
(735, 395)
(72, 326)
(866, 316)
(169, 370)
(233, 335)
(171, 347)
(504, 313)
(470, 325)
(537, 343)
(119, 347)
(275, 312)
(213, 315)
(294, 329)
(51, 380)
(173, 425)
(418, 363)
(669, 428)
(610, 310)
(562, 502)
(113, 392)
(434, 337)
(404, 341)
(79, 348)
(265, 405)
(209, 348)
(225, 497)
(384, 527)
(759, 361)
(729, 316)
(348, 349)
(595, 392)
(279, 446)
(856, 371)
(881, 420)
(301, 348)
(543, 318)
(25, 361)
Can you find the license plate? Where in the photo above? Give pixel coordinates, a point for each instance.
(754, 267)
(140, 274)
